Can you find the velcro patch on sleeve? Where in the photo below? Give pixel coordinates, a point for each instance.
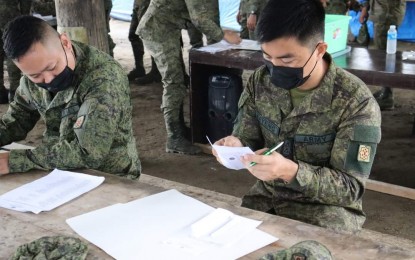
(79, 122)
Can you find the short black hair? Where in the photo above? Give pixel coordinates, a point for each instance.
(21, 33)
(301, 19)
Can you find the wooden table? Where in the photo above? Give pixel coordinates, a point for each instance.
(374, 67)
(17, 228)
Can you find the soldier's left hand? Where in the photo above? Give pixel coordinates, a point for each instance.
(251, 22)
(4, 163)
(270, 167)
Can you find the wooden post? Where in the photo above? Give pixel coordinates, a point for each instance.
(84, 21)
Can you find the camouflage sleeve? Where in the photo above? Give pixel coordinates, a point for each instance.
(205, 16)
(19, 119)
(246, 126)
(351, 159)
(254, 6)
(94, 130)
(25, 6)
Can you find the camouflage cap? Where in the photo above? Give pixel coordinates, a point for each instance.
(305, 250)
(57, 248)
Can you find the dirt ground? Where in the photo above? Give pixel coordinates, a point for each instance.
(394, 161)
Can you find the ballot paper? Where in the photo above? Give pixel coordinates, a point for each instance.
(230, 157)
(49, 192)
(170, 225)
(224, 45)
(14, 146)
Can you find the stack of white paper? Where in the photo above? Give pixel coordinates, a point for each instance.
(170, 225)
(224, 45)
(49, 192)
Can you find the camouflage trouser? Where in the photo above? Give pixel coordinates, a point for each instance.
(195, 36)
(136, 42)
(276, 201)
(245, 32)
(111, 44)
(168, 56)
(384, 14)
(12, 70)
(336, 7)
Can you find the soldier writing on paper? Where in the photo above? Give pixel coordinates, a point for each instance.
(327, 118)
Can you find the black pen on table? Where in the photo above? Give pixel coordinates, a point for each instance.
(268, 152)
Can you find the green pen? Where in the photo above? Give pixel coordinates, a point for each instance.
(268, 152)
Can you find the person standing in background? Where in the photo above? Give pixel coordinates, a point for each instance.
(10, 9)
(248, 16)
(384, 14)
(160, 29)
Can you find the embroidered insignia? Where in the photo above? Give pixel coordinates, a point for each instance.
(364, 153)
(79, 122)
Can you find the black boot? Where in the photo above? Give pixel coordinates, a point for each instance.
(152, 76)
(176, 141)
(137, 72)
(384, 97)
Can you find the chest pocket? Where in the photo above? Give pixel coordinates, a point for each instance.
(68, 119)
(314, 149)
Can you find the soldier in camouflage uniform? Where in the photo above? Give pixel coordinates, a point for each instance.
(139, 9)
(160, 30)
(108, 8)
(248, 16)
(81, 93)
(384, 14)
(327, 118)
(10, 9)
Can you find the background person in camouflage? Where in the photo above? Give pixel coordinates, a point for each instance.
(81, 93)
(10, 9)
(385, 13)
(44, 7)
(327, 118)
(160, 29)
(304, 250)
(248, 16)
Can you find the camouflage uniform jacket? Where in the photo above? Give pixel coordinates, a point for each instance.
(178, 14)
(10, 9)
(332, 135)
(249, 6)
(88, 125)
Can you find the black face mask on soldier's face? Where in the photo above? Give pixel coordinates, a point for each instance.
(287, 77)
(62, 81)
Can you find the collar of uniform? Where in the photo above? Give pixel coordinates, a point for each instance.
(319, 100)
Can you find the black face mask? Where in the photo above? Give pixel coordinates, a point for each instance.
(287, 77)
(62, 81)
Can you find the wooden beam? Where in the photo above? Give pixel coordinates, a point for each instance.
(83, 21)
(390, 189)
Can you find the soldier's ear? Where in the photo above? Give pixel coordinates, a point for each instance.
(66, 41)
(321, 49)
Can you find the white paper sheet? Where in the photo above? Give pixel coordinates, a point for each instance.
(49, 192)
(159, 227)
(223, 46)
(231, 156)
(14, 146)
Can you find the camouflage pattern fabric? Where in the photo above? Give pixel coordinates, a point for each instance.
(140, 7)
(332, 135)
(305, 250)
(46, 248)
(44, 7)
(245, 9)
(160, 29)
(384, 14)
(10, 9)
(108, 8)
(88, 125)
(336, 7)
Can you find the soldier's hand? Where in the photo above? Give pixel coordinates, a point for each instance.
(270, 167)
(231, 37)
(4, 163)
(227, 141)
(251, 22)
